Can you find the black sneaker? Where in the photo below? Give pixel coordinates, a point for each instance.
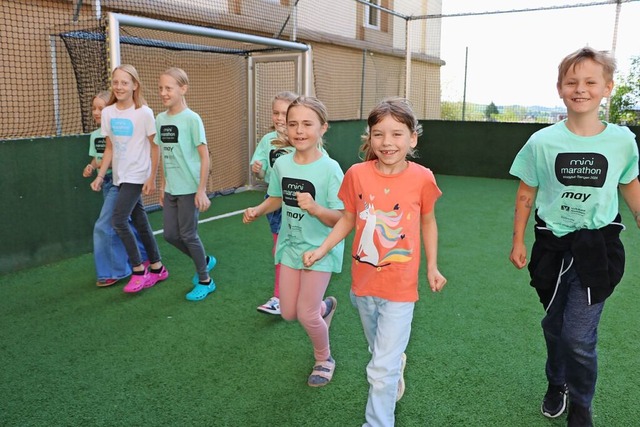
(555, 401)
(579, 416)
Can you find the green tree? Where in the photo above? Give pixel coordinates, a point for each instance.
(490, 112)
(626, 96)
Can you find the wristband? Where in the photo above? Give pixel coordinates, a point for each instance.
(101, 177)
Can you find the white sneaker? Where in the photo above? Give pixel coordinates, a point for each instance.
(270, 307)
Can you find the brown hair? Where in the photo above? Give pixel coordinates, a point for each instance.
(138, 99)
(401, 111)
(601, 57)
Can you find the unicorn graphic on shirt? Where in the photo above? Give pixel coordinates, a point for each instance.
(386, 226)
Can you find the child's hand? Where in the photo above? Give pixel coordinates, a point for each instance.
(250, 215)
(436, 280)
(256, 167)
(87, 171)
(202, 201)
(306, 202)
(149, 186)
(96, 184)
(310, 257)
(518, 256)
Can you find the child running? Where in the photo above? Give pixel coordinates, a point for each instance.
(572, 171)
(109, 254)
(305, 185)
(390, 201)
(261, 165)
(129, 127)
(185, 161)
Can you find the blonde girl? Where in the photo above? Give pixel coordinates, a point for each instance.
(129, 127)
(305, 185)
(261, 165)
(109, 254)
(185, 160)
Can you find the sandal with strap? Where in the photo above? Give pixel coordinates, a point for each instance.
(332, 304)
(322, 373)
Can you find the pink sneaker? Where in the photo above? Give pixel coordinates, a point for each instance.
(154, 278)
(137, 282)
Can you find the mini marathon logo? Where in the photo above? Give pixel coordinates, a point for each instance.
(169, 134)
(291, 186)
(100, 144)
(274, 154)
(581, 169)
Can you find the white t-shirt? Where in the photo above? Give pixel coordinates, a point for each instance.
(129, 131)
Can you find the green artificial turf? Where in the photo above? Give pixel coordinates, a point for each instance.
(73, 354)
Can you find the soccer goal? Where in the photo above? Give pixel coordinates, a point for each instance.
(233, 77)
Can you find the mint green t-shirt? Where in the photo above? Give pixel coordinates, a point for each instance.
(577, 177)
(97, 144)
(301, 232)
(179, 137)
(267, 153)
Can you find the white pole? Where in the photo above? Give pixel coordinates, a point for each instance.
(407, 77)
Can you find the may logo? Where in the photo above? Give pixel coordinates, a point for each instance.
(100, 144)
(291, 186)
(581, 169)
(274, 154)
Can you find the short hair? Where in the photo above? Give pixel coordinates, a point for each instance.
(601, 57)
(400, 110)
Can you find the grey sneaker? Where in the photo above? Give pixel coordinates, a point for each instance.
(555, 401)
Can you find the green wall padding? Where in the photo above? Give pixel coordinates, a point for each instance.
(48, 209)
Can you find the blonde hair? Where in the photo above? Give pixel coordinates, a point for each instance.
(104, 95)
(601, 57)
(180, 76)
(284, 96)
(311, 103)
(138, 99)
(400, 110)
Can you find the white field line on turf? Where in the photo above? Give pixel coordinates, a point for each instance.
(213, 218)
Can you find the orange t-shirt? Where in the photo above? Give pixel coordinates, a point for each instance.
(386, 246)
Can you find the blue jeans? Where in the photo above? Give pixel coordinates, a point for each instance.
(571, 332)
(387, 327)
(109, 254)
(274, 218)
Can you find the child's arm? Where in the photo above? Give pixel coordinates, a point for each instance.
(430, 239)
(341, 230)
(201, 200)
(525, 197)
(91, 166)
(328, 217)
(96, 185)
(269, 205)
(631, 194)
(150, 185)
(257, 169)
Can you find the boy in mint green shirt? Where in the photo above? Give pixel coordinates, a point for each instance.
(571, 172)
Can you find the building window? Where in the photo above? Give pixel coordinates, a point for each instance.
(372, 15)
